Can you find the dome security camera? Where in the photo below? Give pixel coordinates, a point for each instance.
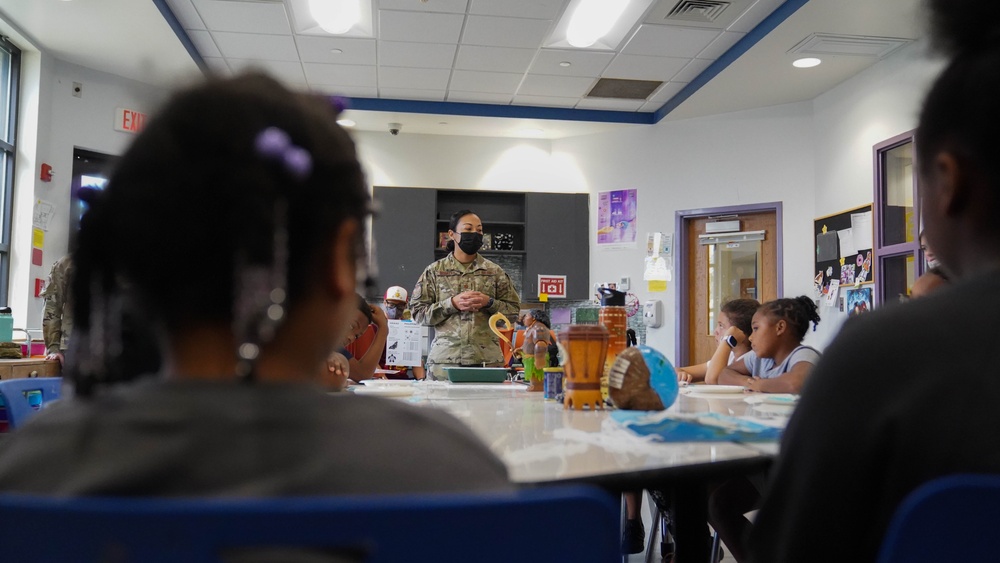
(394, 128)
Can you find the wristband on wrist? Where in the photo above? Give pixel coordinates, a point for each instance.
(489, 303)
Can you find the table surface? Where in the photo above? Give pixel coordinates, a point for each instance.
(542, 442)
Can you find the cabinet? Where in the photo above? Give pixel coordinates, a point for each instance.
(548, 234)
(28, 367)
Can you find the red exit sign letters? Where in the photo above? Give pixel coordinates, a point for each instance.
(129, 120)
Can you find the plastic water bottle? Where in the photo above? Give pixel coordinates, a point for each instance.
(6, 325)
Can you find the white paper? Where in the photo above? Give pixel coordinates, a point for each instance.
(402, 344)
(847, 248)
(831, 296)
(861, 228)
(42, 214)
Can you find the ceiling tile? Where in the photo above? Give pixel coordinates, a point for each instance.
(754, 15)
(289, 73)
(204, 43)
(582, 63)
(692, 70)
(670, 40)
(644, 67)
(505, 32)
(538, 9)
(423, 55)
(492, 82)
(419, 27)
(558, 86)
(256, 46)
(667, 91)
(341, 75)
(411, 94)
(245, 17)
(610, 104)
(315, 49)
(494, 59)
(721, 44)
(186, 13)
(452, 6)
(479, 97)
(218, 66)
(349, 91)
(416, 78)
(545, 101)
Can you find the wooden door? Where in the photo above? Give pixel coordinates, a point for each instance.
(701, 341)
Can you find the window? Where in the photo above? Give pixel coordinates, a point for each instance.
(897, 219)
(10, 72)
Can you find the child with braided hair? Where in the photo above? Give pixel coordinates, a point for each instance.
(236, 220)
(777, 361)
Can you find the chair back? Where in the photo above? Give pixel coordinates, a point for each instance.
(22, 398)
(951, 518)
(576, 523)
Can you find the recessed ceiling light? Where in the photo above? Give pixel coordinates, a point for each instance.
(346, 122)
(807, 62)
(335, 16)
(565, 63)
(592, 20)
(336, 51)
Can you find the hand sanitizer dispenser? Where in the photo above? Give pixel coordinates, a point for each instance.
(652, 313)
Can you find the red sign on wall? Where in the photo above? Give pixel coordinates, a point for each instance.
(553, 286)
(129, 120)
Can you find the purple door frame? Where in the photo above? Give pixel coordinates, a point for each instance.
(681, 243)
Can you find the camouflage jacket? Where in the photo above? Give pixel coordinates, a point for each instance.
(462, 337)
(57, 320)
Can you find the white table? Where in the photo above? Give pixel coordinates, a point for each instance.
(541, 442)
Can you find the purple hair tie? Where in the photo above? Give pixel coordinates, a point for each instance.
(274, 144)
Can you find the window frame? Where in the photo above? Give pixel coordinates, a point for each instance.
(885, 251)
(8, 153)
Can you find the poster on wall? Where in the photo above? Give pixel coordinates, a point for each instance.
(616, 214)
(844, 250)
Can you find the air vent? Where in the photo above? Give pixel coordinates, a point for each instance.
(857, 45)
(701, 11)
(623, 89)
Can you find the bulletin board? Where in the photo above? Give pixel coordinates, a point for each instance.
(844, 245)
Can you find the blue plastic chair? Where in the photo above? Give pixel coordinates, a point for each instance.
(22, 398)
(951, 518)
(577, 523)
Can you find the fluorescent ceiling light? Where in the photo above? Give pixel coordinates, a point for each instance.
(807, 62)
(592, 20)
(335, 16)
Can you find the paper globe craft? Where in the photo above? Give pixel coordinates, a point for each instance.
(642, 378)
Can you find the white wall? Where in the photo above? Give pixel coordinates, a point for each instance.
(64, 122)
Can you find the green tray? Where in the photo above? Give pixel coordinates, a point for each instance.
(476, 375)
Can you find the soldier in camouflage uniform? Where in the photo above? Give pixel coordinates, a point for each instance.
(457, 295)
(57, 320)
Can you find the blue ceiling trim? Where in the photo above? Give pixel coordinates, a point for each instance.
(736, 51)
(175, 25)
(496, 110)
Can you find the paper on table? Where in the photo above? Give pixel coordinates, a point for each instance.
(847, 248)
(699, 427)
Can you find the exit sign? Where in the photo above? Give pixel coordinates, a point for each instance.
(129, 120)
(553, 286)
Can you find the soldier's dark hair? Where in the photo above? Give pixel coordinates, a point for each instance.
(740, 313)
(960, 111)
(193, 195)
(797, 312)
(453, 224)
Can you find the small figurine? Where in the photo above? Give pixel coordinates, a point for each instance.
(534, 352)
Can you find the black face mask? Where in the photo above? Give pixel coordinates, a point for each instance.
(470, 243)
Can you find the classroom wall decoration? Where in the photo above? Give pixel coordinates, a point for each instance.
(844, 249)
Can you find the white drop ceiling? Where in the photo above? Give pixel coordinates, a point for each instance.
(456, 66)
